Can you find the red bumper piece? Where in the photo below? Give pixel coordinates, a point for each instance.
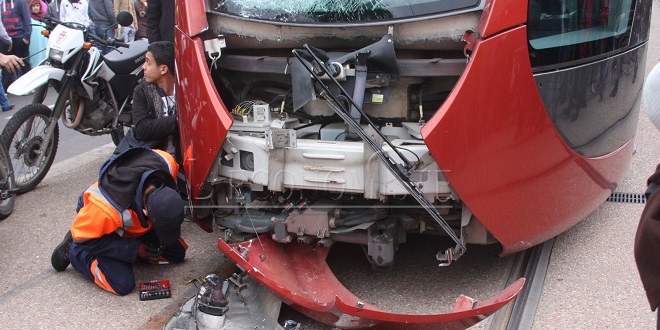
(299, 276)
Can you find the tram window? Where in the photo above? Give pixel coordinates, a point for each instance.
(596, 25)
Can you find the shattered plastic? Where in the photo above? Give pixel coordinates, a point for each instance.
(287, 270)
(334, 11)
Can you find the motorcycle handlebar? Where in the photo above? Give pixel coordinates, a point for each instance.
(111, 43)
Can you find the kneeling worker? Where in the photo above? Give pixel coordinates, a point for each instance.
(132, 212)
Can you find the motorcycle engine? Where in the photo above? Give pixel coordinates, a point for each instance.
(98, 116)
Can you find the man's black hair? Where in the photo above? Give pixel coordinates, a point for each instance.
(163, 52)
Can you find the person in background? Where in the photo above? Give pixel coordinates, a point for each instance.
(11, 63)
(126, 32)
(16, 20)
(160, 20)
(75, 11)
(141, 11)
(647, 239)
(53, 10)
(102, 14)
(38, 42)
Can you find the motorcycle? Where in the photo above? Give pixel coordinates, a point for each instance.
(95, 94)
(7, 185)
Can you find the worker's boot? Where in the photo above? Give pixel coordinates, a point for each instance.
(60, 258)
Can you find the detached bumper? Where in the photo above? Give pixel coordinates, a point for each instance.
(300, 277)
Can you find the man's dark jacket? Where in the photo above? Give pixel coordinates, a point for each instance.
(150, 124)
(647, 242)
(160, 20)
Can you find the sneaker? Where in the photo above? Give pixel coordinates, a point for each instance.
(11, 106)
(60, 258)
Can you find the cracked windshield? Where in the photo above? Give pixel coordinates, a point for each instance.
(336, 11)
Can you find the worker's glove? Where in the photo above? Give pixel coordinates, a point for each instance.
(148, 252)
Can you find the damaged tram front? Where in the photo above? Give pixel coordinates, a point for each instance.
(311, 122)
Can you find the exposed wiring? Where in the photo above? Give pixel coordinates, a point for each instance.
(417, 163)
(245, 107)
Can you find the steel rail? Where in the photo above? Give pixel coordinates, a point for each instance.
(533, 265)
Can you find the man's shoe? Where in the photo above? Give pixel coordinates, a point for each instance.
(60, 257)
(11, 106)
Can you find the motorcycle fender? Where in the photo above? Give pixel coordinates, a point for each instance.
(34, 78)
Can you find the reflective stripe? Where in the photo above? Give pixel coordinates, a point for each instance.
(163, 154)
(99, 277)
(125, 215)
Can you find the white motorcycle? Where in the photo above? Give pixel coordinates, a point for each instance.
(95, 94)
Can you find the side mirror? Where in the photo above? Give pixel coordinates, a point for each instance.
(124, 18)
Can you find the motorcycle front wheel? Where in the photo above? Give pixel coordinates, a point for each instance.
(23, 137)
(7, 185)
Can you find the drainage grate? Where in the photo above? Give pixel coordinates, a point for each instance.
(621, 197)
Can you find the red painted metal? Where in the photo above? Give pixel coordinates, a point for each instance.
(190, 16)
(205, 116)
(500, 15)
(299, 276)
(501, 153)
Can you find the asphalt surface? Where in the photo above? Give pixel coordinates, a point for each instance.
(592, 281)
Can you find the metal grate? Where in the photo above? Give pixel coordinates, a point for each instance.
(621, 197)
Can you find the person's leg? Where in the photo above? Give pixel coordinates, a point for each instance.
(101, 30)
(4, 102)
(22, 50)
(110, 274)
(129, 34)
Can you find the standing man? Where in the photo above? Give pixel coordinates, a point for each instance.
(16, 20)
(76, 11)
(53, 9)
(132, 212)
(126, 32)
(141, 11)
(160, 20)
(12, 64)
(102, 14)
(647, 239)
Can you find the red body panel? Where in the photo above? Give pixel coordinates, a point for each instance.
(499, 150)
(299, 276)
(500, 15)
(205, 116)
(190, 17)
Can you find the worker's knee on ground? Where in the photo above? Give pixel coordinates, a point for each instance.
(124, 288)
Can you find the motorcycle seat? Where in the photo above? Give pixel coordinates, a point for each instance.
(126, 60)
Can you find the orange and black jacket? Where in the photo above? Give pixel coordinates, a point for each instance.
(110, 216)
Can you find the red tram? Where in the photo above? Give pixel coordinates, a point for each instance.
(310, 122)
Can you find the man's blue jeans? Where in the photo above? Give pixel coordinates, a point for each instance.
(101, 30)
(4, 102)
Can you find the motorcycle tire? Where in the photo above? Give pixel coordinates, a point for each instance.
(7, 195)
(22, 137)
(42, 91)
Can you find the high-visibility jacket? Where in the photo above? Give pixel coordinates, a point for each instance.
(107, 226)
